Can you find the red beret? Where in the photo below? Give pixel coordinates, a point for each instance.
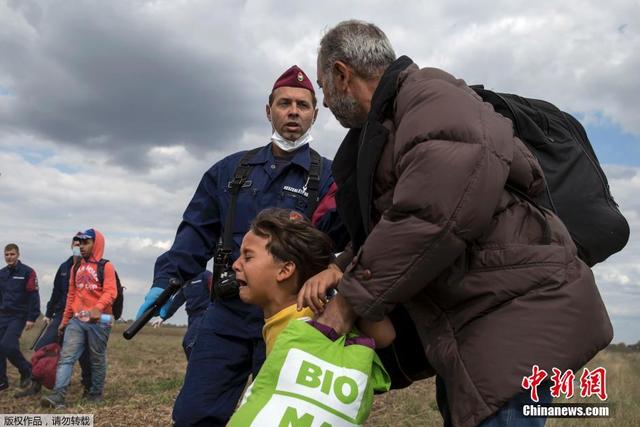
(294, 77)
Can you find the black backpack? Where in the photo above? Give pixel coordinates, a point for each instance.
(116, 308)
(576, 187)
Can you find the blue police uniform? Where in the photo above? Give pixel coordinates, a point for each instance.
(55, 306)
(19, 303)
(195, 294)
(229, 345)
(55, 311)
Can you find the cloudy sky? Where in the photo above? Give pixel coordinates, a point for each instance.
(111, 111)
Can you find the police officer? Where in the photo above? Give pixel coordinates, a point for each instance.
(229, 345)
(53, 317)
(19, 309)
(195, 294)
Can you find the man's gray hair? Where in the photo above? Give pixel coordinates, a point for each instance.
(361, 45)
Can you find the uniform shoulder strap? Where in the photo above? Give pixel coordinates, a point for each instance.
(240, 176)
(313, 183)
(242, 171)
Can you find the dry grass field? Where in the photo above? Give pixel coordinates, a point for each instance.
(145, 374)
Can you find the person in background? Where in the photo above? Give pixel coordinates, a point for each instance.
(53, 317)
(19, 309)
(83, 323)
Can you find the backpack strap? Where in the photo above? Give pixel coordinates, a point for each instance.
(313, 182)
(74, 270)
(240, 176)
(101, 265)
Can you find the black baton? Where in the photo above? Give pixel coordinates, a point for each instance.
(44, 328)
(174, 286)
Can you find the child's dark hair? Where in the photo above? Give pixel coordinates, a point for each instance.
(293, 238)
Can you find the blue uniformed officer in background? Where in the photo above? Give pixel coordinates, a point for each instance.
(195, 294)
(19, 309)
(285, 173)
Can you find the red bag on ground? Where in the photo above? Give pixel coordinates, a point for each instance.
(44, 363)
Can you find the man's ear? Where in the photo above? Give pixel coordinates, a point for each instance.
(287, 270)
(315, 116)
(342, 76)
(268, 111)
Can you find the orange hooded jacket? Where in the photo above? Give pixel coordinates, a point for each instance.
(85, 291)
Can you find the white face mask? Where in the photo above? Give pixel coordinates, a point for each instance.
(290, 146)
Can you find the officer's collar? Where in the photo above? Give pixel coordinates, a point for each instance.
(15, 266)
(301, 158)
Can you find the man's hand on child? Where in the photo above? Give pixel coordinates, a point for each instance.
(339, 315)
(313, 293)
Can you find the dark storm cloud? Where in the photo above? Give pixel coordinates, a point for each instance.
(115, 82)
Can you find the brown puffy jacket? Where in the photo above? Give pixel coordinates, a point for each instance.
(422, 192)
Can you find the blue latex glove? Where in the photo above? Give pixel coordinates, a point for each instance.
(164, 310)
(149, 299)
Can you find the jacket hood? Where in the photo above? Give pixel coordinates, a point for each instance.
(98, 246)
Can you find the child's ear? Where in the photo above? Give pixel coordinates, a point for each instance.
(287, 270)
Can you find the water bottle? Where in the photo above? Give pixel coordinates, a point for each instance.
(104, 319)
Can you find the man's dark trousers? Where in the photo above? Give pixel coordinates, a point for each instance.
(11, 328)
